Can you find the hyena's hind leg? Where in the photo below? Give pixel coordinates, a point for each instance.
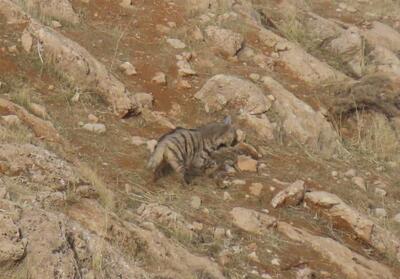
(180, 170)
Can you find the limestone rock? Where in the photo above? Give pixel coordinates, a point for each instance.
(97, 128)
(251, 221)
(245, 163)
(226, 41)
(291, 196)
(234, 93)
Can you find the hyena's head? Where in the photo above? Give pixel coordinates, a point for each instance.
(222, 134)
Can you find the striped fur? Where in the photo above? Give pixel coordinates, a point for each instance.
(187, 149)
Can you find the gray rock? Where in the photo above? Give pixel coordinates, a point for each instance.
(97, 128)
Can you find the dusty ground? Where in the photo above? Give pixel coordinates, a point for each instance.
(115, 171)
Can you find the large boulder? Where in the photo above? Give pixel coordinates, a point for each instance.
(234, 93)
(300, 121)
(42, 128)
(81, 68)
(298, 61)
(349, 218)
(225, 41)
(290, 196)
(383, 35)
(251, 220)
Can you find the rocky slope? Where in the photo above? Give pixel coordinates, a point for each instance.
(311, 191)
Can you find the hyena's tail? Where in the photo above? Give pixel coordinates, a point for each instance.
(156, 157)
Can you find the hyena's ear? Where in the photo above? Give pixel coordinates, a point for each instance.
(228, 120)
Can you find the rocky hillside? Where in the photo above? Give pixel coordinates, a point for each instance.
(312, 190)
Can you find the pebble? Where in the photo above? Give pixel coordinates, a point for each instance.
(255, 189)
(97, 128)
(380, 192)
(195, 202)
(176, 43)
(360, 182)
(160, 78)
(227, 196)
(380, 212)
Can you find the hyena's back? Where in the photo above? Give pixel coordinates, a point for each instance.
(177, 148)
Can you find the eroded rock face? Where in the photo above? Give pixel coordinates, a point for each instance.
(225, 91)
(353, 265)
(251, 220)
(38, 164)
(300, 121)
(364, 228)
(12, 245)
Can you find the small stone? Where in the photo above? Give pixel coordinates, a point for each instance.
(253, 257)
(254, 77)
(240, 135)
(26, 41)
(97, 128)
(51, 87)
(55, 24)
(176, 43)
(13, 49)
(255, 189)
(171, 24)
(93, 118)
(219, 233)
(126, 4)
(380, 212)
(151, 145)
(305, 273)
(334, 173)
(76, 97)
(239, 182)
(128, 69)
(206, 211)
(229, 169)
(184, 69)
(350, 173)
(3, 192)
(195, 202)
(359, 182)
(135, 140)
(276, 262)
(396, 218)
(380, 192)
(227, 196)
(38, 110)
(11, 120)
(246, 163)
(184, 84)
(197, 226)
(160, 78)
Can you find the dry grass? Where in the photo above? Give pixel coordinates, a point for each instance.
(106, 196)
(15, 134)
(376, 138)
(22, 97)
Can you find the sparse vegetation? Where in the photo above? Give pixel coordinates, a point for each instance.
(106, 196)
